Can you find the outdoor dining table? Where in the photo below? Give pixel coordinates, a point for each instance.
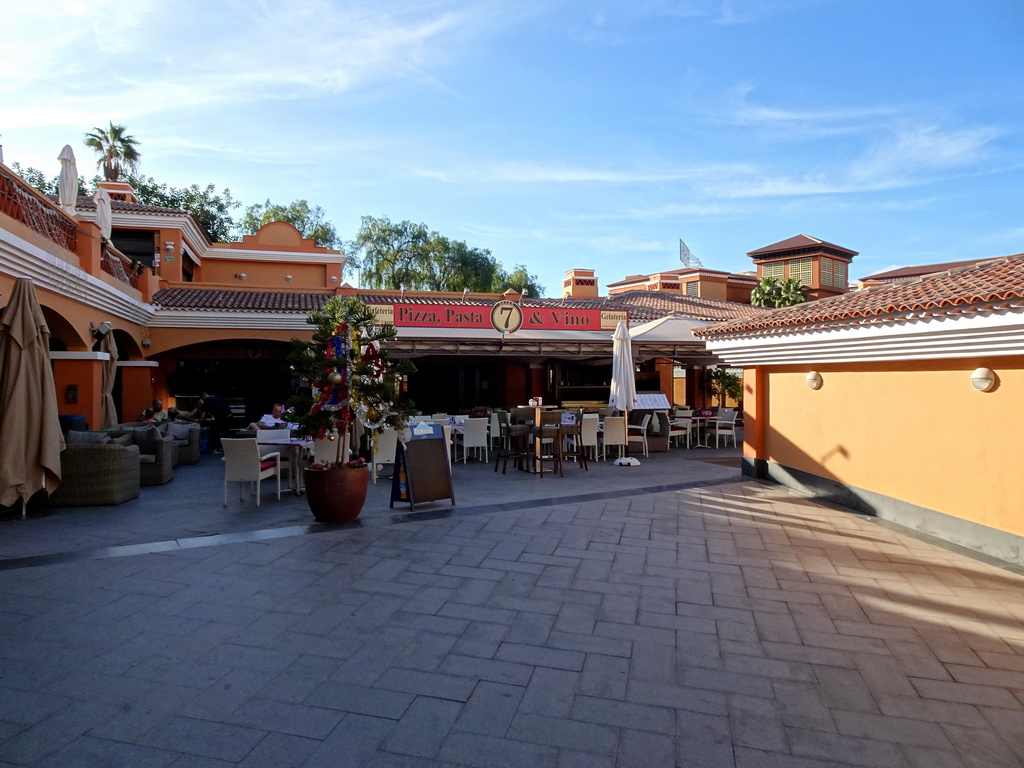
(295, 447)
(701, 422)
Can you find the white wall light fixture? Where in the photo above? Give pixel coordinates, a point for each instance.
(983, 379)
(813, 380)
(241, 275)
(288, 278)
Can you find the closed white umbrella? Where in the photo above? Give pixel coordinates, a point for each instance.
(67, 184)
(104, 217)
(623, 391)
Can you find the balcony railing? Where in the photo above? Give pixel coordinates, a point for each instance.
(115, 263)
(22, 203)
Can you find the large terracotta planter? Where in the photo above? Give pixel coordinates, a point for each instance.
(336, 495)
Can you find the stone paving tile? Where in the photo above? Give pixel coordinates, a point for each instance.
(726, 625)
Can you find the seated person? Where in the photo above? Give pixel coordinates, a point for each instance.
(156, 412)
(272, 420)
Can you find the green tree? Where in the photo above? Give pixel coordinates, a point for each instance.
(38, 179)
(210, 209)
(392, 254)
(408, 255)
(772, 293)
(118, 152)
(519, 279)
(723, 383)
(309, 221)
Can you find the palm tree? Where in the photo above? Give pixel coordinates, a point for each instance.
(118, 151)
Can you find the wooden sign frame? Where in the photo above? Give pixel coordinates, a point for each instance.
(422, 473)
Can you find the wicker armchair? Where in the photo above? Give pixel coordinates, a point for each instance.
(155, 461)
(188, 446)
(96, 475)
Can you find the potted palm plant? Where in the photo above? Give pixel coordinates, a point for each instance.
(353, 388)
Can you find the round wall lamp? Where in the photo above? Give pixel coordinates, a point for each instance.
(241, 275)
(983, 379)
(288, 278)
(813, 380)
(334, 278)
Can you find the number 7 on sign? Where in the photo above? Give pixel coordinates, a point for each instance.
(506, 317)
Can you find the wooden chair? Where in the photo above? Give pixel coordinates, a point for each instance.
(513, 443)
(570, 442)
(243, 464)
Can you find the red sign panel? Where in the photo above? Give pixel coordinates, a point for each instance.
(477, 316)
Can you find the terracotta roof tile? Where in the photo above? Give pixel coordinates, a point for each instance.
(641, 305)
(797, 242)
(664, 303)
(921, 269)
(974, 288)
(86, 203)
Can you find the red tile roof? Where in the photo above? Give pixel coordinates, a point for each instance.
(86, 203)
(798, 242)
(641, 305)
(921, 269)
(987, 285)
(663, 303)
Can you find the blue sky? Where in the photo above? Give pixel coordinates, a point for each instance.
(559, 134)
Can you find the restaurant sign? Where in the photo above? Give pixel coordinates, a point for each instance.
(554, 318)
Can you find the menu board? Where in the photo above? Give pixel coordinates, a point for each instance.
(422, 472)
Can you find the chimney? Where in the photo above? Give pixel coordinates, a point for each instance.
(120, 190)
(579, 284)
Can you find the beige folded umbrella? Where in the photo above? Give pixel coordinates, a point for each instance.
(30, 436)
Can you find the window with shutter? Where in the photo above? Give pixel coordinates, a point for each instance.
(839, 275)
(691, 288)
(773, 269)
(826, 271)
(801, 270)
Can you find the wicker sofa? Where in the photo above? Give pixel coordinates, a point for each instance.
(185, 435)
(156, 454)
(97, 475)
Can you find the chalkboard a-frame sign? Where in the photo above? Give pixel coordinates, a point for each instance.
(422, 472)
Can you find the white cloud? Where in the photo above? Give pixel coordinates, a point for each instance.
(67, 65)
(523, 172)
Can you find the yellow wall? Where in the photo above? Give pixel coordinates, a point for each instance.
(914, 431)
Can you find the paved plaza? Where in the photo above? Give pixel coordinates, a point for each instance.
(673, 614)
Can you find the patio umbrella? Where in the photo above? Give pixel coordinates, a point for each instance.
(623, 392)
(32, 440)
(108, 411)
(104, 218)
(67, 184)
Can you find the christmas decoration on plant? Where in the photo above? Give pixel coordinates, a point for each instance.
(352, 379)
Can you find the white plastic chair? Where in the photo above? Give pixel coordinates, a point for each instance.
(384, 447)
(588, 433)
(284, 450)
(243, 464)
(474, 435)
(638, 432)
(614, 434)
(680, 428)
(325, 451)
(493, 429)
(725, 426)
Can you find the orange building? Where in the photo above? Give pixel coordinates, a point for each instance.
(189, 315)
(904, 401)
